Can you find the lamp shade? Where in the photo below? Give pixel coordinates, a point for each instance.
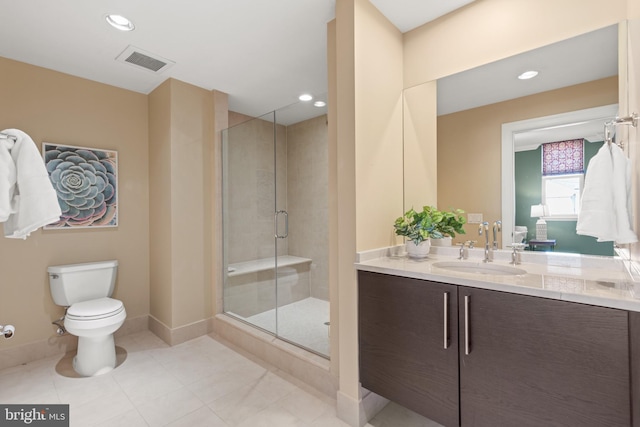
(537, 211)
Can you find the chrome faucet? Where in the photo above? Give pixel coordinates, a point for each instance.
(515, 255)
(464, 249)
(464, 253)
(484, 228)
(497, 226)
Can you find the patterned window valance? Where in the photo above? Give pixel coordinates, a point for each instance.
(563, 157)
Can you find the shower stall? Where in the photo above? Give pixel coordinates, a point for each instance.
(275, 226)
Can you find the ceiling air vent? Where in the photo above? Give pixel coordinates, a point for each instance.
(140, 58)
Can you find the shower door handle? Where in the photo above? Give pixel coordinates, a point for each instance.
(286, 224)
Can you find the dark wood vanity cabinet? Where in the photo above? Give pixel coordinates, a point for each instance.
(511, 360)
(540, 362)
(408, 335)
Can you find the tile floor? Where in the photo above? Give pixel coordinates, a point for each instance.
(201, 382)
(302, 322)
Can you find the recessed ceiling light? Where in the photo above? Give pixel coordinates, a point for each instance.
(319, 104)
(305, 97)
(528, 75)
(120, 22)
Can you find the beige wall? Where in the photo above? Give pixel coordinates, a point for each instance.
(420, 144)
(368, 101)
(378, 127)
(469, 145)
(181, 129)
(59, 108)
(160, 200)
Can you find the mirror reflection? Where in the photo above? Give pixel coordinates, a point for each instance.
(574, 92)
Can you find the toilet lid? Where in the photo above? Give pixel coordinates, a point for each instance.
(95, 309)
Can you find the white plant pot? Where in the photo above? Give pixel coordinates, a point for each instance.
(445, 241)
(418, 251)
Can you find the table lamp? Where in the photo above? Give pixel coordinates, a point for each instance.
(538, 211)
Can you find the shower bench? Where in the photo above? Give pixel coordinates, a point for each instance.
(264, 264)
(250, 287)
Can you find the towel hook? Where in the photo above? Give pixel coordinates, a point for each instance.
(627, 120)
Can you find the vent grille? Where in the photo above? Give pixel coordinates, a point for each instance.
(145, 61)
(139, 58)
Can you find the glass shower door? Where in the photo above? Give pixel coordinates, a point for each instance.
(275, 222)
(248, 206)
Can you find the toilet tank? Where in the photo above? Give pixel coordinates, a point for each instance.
(74, 283)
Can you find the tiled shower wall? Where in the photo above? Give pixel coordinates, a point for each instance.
(302, 175)
(308, 198)
(250, 189)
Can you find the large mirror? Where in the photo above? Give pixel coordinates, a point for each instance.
(575, 92)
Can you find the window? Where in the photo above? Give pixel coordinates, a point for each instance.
(561, 195)
(562, 178)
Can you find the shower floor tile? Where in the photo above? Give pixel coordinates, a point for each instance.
(302, 322)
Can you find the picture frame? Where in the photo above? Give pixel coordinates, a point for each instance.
(86, 182)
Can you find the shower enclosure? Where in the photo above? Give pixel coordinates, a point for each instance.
(275, 226)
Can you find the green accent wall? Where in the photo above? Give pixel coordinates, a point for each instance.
(528, 184)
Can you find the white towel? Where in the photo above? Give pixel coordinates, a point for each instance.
(28, 201)
(7, 179)
(605, 209)
(622, 196)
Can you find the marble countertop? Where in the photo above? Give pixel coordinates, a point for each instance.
(605, 282)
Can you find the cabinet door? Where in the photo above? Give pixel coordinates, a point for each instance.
(538, 362)
(409, 343)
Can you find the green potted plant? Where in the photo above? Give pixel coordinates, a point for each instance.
(429, 223)
(448, 224)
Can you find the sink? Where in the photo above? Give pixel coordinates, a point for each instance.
(480, 268)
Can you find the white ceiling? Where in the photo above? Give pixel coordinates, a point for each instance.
(409, 14)
(263, 54)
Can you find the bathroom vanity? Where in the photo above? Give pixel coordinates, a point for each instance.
(540, 349)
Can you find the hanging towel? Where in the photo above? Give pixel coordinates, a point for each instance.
(622, 196)
(596, 206)
(28, 200)
(605, 209)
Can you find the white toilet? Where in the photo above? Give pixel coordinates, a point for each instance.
(91, 315)
(519, 233)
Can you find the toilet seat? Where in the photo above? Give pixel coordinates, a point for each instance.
(96, 309)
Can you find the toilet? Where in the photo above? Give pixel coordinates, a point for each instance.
(91, 315)
(519, 233)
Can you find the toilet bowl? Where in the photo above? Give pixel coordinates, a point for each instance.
(94, 323)
(519, 233)
(91, 315)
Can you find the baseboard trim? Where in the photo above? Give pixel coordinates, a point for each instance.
(60, 344)
(358, 413)
(180, 334)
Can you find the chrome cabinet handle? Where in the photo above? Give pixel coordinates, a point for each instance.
(467, 348)
(445, 333)
(286, 225)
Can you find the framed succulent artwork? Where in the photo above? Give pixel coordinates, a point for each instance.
(86, 181)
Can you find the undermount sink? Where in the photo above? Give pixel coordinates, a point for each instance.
(480, 268)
